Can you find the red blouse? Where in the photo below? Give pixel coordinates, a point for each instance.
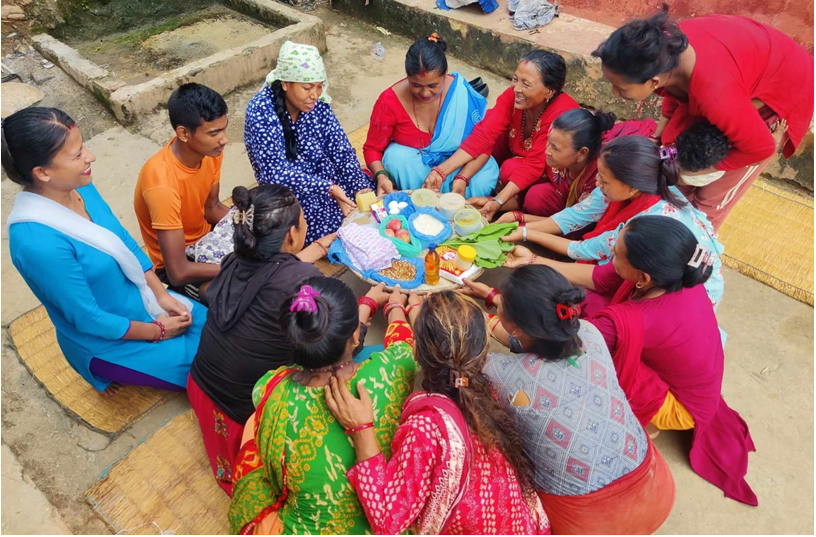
(391, 122)
(739, 59)
(504, 120)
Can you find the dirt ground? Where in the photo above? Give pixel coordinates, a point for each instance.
(769, 367)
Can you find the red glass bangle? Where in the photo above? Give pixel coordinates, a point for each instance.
(409, 308)
(370, 302)
(439, 172)
(358, 428)
(161, 334)
(519, 216)
(490, 296)
(463, 178)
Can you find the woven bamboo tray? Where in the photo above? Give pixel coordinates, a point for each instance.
(356, 217)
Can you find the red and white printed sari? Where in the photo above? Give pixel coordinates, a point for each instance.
(441, 480)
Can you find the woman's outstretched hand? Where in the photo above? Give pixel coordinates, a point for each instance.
(347, 409)
(346, 205)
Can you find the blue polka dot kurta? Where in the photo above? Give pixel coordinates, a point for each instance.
(325, 157)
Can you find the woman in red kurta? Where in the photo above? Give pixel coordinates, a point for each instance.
(716, 65)
(457, 464)
(515, 131)
(662, 332)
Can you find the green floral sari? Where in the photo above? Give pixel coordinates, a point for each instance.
(300, 455)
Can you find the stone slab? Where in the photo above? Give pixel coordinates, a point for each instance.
(16, 96)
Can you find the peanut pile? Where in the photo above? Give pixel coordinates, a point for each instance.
(400, 270)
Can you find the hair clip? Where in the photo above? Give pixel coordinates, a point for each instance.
(668, 152)
(565, 312)
(458, 380)
(244, 217)
(699, 257)
(304, 301)
(434, 37)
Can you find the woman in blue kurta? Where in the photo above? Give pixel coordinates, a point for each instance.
(115, 322)
(294, 139)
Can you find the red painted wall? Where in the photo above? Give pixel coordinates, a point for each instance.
(793, 17)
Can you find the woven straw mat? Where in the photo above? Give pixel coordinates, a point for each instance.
(35, 339)
(768, 236)
(163, 484)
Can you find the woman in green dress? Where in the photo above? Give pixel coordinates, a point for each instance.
(290, 476)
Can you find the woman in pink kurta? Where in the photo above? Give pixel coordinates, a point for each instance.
(457, 465)
(662, 332)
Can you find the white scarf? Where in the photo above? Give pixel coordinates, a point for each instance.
(29, 207)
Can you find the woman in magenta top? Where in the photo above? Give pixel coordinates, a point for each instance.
(715, 66)
(515, 131)
(421, 121)
(662, 332)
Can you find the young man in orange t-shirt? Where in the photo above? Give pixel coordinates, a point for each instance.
(177, 194)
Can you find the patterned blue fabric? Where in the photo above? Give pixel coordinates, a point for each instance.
(488, 6)
(599, 248)
(325, 157)
(578, 429)
(338, 255)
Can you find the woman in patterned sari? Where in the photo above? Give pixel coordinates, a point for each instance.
(290, 476)
(457, 465)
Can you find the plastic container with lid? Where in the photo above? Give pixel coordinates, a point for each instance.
(467, 221)
(451, 203)
(423, 197)
(464, 257)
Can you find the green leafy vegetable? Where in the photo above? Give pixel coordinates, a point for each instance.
(490, 249)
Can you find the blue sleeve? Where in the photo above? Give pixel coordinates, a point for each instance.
(595, 249)
(582, 214)
(51, 269)
(349, 173)
(263, 136)
(115, 226)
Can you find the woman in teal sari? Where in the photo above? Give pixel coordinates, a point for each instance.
(422, 120)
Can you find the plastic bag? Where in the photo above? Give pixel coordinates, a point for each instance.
(531, 14)
(400, 197)
(405, 249)
(425, 240)
(338, 255)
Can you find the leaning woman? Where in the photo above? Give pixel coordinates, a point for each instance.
(634, 178)
(421, 120)
(242, 338)
(515, 131)
(457, 466)
(665, 343)
(116, 323)
(717, 67)
(559, 370)
(294, 139)
(290, 476)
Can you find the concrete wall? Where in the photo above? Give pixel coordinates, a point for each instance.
(490, 42)
(793, 17)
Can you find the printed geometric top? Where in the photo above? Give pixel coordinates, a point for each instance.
(579, 430)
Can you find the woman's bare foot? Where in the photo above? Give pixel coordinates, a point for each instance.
(112, 389)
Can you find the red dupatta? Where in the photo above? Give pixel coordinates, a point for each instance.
(720, 444)
(619, 212)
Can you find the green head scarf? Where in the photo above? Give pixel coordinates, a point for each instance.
(300, 63)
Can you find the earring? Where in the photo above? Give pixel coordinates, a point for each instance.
(639, 285)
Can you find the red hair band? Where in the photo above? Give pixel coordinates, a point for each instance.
(565, 312)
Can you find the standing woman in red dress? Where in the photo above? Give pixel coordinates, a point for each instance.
(713, 67)
(515, 131)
